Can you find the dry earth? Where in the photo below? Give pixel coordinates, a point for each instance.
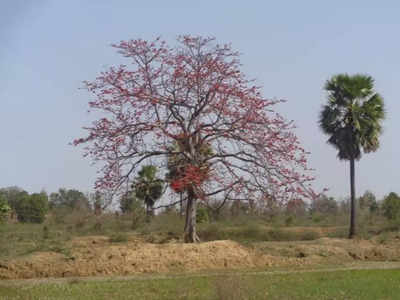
(96, 256)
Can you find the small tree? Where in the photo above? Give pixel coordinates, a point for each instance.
(69, 198)
(32, 208)
(391, 206)
(148, 187)
(324, 205)
(368, 201)
(130, 204)
(12, 195)
(126, 201)
(296, 207)
(4, 208)
(194, 95)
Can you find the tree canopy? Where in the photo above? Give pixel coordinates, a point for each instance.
(352, 117)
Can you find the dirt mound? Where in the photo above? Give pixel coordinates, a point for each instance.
(329, 250)
(96, 255)
(92, 256)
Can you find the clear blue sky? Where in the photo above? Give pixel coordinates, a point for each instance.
(291, 47)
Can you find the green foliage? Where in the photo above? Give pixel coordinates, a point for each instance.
(12, 195)
(324, 205)
(253, 232)
(32, 208)
(352, 117)
(202, 215)
(69, 198)
(178, 161)
(4, 208)
(391, 206)
(289, 220)
(368, 201)
(118, 238)
(127, 202)
(148, 187)
(137, 213)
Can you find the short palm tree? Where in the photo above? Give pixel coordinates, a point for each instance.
(148, 187)
(352, 119)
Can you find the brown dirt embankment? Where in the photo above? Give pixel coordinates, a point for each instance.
(96, 256)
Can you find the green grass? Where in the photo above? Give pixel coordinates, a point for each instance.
(22, 239)
(252, 232)
(355, 284)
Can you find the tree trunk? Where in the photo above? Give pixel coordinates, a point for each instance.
(352, 231)
(149, 212)
(97, 209)
(190, 235)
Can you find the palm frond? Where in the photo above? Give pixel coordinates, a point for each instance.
(353, 114)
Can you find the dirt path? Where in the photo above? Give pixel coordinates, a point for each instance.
(370, 265)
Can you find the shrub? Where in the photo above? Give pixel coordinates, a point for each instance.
(202, 215)
(128, 201)
(138, 214)
(391, 206)
(368, 201)
(118, 238)
(317, 218)
(289, 220)
(324, 205)
(4, 209)
(72, 199)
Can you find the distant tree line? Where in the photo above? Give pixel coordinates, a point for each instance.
(140, 199)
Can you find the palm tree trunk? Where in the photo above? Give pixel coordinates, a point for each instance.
(149, 212)
(352, 231)
(190, 235)
(181, 204)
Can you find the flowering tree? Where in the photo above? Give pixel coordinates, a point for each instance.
(194, 96)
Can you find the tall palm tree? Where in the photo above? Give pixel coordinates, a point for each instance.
(352, 119)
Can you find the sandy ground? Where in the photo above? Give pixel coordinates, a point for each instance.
(97, 256)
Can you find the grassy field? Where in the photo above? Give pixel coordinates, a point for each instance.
(354, 284)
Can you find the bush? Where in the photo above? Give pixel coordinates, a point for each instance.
(118, 238)
(391, 206)
(324, 205)
(32, 208)
(4, 209)
(138, 214)
(128, 202)
(289, 220)
(72, 199)
(202, 215)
